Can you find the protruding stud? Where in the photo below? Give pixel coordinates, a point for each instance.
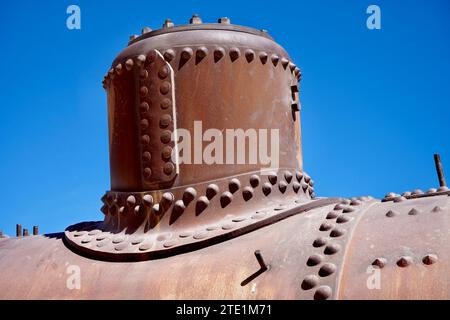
(118, 69)
(282, 186)
(234, 54)
(284, 62)
(337, 232)
(379, 262)
(167, 24)
(186, 54)
(272, 176)
(249, 55)
(288, 176)
(226, 199)
(413, 212)
(202, 204)
(323, 293)
(211, 191)
(391, 213)
(430, 259)
(133, 36)
(320, 242)
(404, 261)
(201, 53)
(234, 185)
(189, 195)
(147, 200)
(314, 260)
(325, 226)
(310, 282)
(131, 201)
(267, 188)
(224, 20)
(195, 19)
(327, 269)
(168, 55)
(254, 181)
(145, 30)
(263, 57)
(129, 64)
(247, 193)
(332, 215)
(218, 53)
(140, 60)
(274, 59)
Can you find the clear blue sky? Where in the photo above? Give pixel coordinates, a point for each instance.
(375, 102)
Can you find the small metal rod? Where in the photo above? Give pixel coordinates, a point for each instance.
(261, 261)
(35, 230)
(25, 232)
(439, 170)
(18, 230)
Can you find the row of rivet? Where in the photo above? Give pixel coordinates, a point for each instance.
(392, 196)
(405, 261)
(328, 247)
(200, 53)
(115, 204)
(412, 212)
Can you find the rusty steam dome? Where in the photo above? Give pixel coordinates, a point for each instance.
(176, 226)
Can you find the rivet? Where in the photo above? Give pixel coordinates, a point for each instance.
(390, 195)
(267, 188)
(430, 259)
(186, 54)
(355, 202)
(337, 232)
(145, 30)
(272, 178)
(139, 210)
(168, 168)
(417, 191)
(201, 53)
(234, 185)
(218, 54)
(133, 36)
(339, 206)
(348, 209)
(307, 178)
(166, 136)
(327, 269)
(320, 242)
(249, 55)
(406, 194)
(310, 282)
(239, 219)
(167, 199)
(167, 152)
(325, 226)
(391, 213)
(136, 241)
(195, 19)
(413, 212)
(247, 193)
(322, 293)
(282, 186)
(121, 246)
(202, 204)
(85, 240)
(185, 234)
(228, 226)
(131, 201)
(169, 55)
(143, 91)
(399, 199)
(179, 207)
(298, 176)
(211, 191)
(379, 262)
(431, 190)
(292, 66)
(118, 69)
(404, 261)
(314, 260)
(144, 124)
(304, 186)
(140, 60)
(122, 210)
(146, 156)
(165, 120)
(443, 188)
(288, 176)
(118, 239)
(254, 181)
(144, 107)
(164, 88)
(167, 24)
(151, 56)
(263, 57)
(332, 248)
(165, 103)
(343, 219)
(297, 72)
(147, 200)
(225, 199)
(332, 215)
(224, 20)
(274, 59)
(296, 186)
(437, 209)
(146, 246)
(189, 195)
(156, 209)
(345, 201)
(129, 64)
(163, 72)
(170, 243)
(284, 62)
(200, 235)
(145, 139)
(234, 54)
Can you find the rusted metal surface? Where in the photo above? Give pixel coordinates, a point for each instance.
(174, 230)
